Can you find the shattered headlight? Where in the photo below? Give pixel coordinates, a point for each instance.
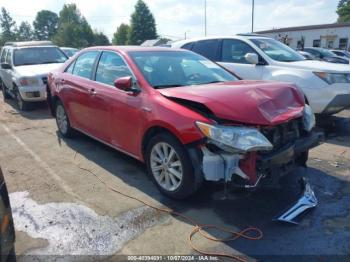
(308, 118)
(334, 78)
(238, 138)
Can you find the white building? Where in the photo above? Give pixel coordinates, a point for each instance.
(333, 36)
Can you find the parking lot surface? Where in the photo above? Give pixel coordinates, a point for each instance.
(61, 208)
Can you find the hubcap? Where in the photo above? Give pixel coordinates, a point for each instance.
(61, 119)
(166, 166)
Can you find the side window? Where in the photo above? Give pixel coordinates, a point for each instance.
(8, 57)
(188, 46)
(110, 67)
(234, 51)
(70, 68)
(3, 55)
(84, 64)
(207, 48)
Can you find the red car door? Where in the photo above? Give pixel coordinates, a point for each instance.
(79, 90)
(117, 116)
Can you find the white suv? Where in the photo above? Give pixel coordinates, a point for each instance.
(326, 86)
(24, 68)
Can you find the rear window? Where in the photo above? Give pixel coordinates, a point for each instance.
(38, 55)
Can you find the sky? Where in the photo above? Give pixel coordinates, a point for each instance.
(175, 18)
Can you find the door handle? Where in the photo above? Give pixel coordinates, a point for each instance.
(92, 92)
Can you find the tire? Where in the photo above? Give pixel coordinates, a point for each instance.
(5, 93)
(174, 177)
(11, 256)
(21, 104)
(62, 121)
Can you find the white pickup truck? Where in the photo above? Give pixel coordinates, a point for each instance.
(326, 85)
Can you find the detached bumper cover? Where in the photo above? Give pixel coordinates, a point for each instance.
(307, 201)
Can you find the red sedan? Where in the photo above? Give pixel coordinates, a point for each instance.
(186, 117)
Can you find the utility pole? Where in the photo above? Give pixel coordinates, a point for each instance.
(253, 7)
(205, 17)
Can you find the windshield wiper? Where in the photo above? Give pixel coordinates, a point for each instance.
(167, 86)
(213, 82)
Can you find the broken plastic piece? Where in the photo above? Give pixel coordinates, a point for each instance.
(307, 201)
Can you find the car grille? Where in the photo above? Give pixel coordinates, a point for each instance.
(44, 80)
(284, 134)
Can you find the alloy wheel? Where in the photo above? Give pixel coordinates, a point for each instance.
(166, 166)
(61, 118)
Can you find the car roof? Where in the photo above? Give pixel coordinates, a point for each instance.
(29, 44)
(238, 36)
(132, 48)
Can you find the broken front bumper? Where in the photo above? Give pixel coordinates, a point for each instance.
(252, 167)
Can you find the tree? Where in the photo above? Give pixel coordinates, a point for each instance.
(143, 25)
(8, 27)
(343, 11)
(25, 32)
(73, 29)
(120, 37)
(100, 39)
(45, 25)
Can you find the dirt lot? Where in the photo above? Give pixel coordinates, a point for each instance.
(61, 208)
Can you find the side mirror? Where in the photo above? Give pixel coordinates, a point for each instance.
(125, 84)
(252, 58)
(6, 66)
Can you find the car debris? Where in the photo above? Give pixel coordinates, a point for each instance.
(307, 201)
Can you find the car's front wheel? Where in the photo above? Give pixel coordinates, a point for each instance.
(170, 166)
(62, 121)
(22, 105)
(5, 93)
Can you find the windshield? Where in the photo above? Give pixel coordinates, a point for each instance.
(165, 69)
(277, 51)
(69, 51)
(38, 55)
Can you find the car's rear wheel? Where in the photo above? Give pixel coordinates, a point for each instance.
(62, 121)
(170, 166)
(22, 105)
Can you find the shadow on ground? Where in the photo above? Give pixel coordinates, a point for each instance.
(38, 110)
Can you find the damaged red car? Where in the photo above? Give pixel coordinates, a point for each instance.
(186, 117)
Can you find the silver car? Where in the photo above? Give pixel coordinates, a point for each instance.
(24, 68)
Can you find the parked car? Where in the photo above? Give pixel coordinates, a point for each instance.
(24, 69)
(326, 55)
(69, 51)
(7, 230)
(307, 55)
(341, 53)
(187, 118)
(326, 86)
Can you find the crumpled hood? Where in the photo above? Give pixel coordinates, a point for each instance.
(34, 70)
(318, 66)
(250, 102)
